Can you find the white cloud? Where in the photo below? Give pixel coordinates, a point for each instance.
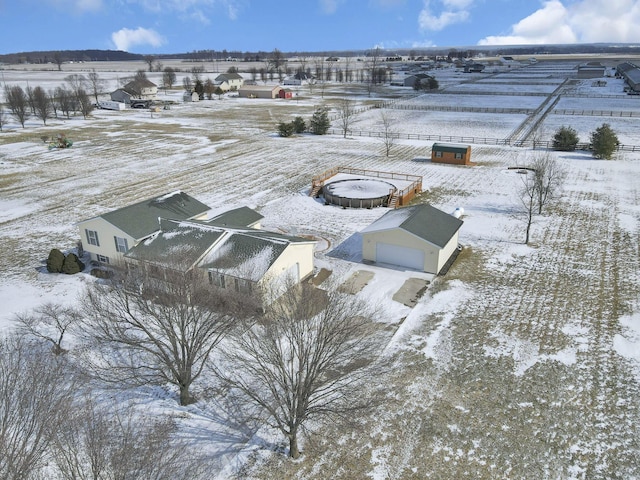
(192, 8)
(329, 6)
(125, 38)
(584, 21)
(450, 13)
(77, 6)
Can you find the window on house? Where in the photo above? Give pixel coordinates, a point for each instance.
(458, 156)
(103, 259)
(438, 154)
(92, 237)
(121, 244)
(216, 279)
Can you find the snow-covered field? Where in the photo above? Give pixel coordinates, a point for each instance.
(522, 362)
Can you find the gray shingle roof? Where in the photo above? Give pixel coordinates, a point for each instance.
(238, 251)
(424, 221)
(141, 219)
(238, 217)
(228, 76)
(178, 246)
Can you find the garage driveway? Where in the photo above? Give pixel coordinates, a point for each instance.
(403, 286)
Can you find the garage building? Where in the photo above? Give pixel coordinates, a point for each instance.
(419, 237)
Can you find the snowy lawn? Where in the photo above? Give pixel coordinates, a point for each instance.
(520, 363)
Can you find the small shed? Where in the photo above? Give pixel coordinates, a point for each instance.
(451, 153)
(191, 97)
(419, 237)
(285, 93)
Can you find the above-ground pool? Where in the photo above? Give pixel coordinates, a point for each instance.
(358, 192)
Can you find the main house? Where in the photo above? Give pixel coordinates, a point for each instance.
(419, 237)
(174, 231)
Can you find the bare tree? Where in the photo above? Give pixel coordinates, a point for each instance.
(140, 76)
(58, 59)
(373, 64)
(35, 394)
(169, 77)
(528, 197)
(49, 322)
(549, 177)
(104, 441)
(197, 73)
(388, 131)
(187, 85)
(209, 88)
(149, 60)
(346, 111)
(53, 101)
(164, 328)
(84, 102)
(76, 81)
(277, 60)
(348, 73)
(64, 99)
(17, 102)
(305, 360)
(96, 84)
(3, 117)
(42, 104)
(29, 93)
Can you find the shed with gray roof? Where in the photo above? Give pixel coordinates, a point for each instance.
(419, 237)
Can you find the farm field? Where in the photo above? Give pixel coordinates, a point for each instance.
(521, 362)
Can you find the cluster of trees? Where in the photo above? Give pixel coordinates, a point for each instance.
(603, 141)
(71, 97)
(295, 353)
(194, 83)
(53, 425)
(318, 124)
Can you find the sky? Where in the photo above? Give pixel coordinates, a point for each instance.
(177, 26)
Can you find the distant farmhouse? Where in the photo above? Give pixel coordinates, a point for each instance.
(229, 82)
(173, 232)
(135, 90)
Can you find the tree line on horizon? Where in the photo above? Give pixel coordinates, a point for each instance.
(203, 55)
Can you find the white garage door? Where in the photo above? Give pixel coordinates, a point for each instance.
(402, 256)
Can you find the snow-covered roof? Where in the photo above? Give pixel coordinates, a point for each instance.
(237, 250)
(424, 221)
